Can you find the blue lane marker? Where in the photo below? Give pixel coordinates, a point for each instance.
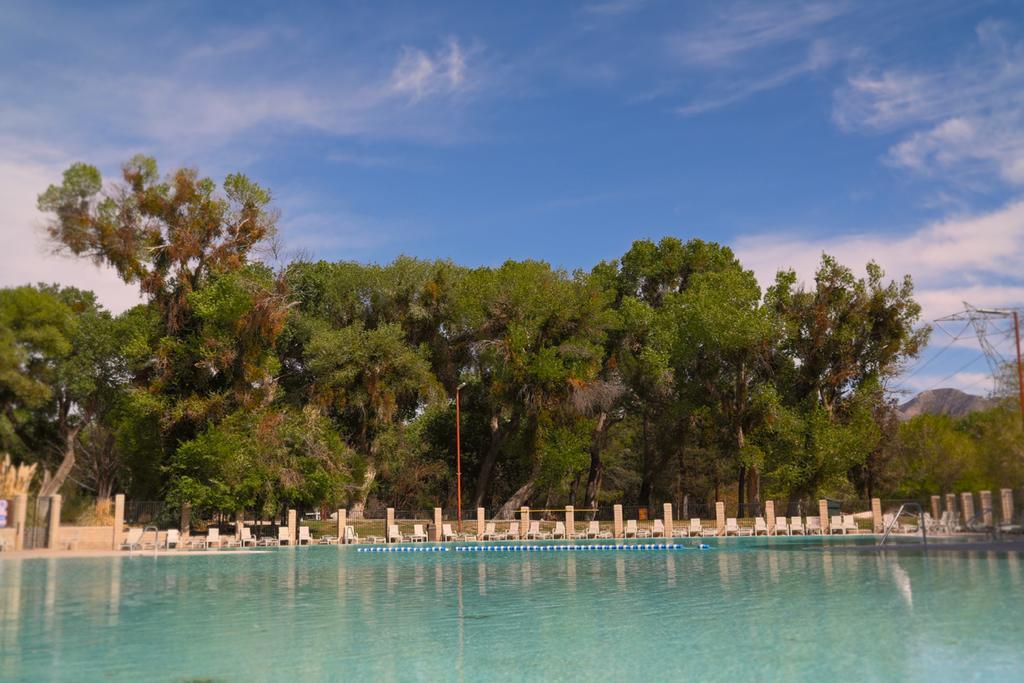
(534, 548)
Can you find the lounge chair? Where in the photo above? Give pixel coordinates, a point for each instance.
(813, 526)
(350, 535)
(745, 530)
(535, 533)
(695, 527)
(835, 525)
(327, 539)
(731, 528)
(173, 538)
(781, 527)
(304, 537)
(630, 529)
(70, 542)
(659, 528)
(850, 525)
(394, 535)
(577, 534)
(284, 535)
(760, 526)
(796, 526)
(512, 533)
(490, 533)
(447, 534)
(594, 531)
(244, 538)
(559, 530)
(418, 535)
(133, 541)
(713, 531)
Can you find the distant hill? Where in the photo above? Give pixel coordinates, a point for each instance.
(952, 402)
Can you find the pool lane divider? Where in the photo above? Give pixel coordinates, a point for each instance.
(533, 548)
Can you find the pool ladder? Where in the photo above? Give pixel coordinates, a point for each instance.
(896, 520)
(156, 537)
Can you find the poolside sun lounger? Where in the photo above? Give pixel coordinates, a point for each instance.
(850, 525)
(796, 526)
(630, 529)
(394, 535)
(813, 526)
(173, 538)
(835, 525)
(350, 535)
(244, 538)
(577, 534)
(490, 533)
(559, 531)
(712, 531)
(659, 528)
(746, 530)
(284, 536)
(594, 531)
(133, 541)
(695, 528)
(327, 540)
(418, 535)
(760, 526)
(731, 528)
(535, 533)
(512, 533)
(447, 534)
(304, 537)
(781, 527)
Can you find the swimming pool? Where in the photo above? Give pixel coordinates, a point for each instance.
(747, 609)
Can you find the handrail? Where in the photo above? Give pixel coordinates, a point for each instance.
(156, 537)
(896, 519)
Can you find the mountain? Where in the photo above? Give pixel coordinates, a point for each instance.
(952, 402)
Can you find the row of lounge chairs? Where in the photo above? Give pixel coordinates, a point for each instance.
(136, 539)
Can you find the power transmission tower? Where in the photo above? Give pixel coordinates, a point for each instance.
(981, 320)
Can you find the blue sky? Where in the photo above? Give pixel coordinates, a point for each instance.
(482, 131)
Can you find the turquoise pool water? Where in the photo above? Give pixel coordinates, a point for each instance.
(748, 609)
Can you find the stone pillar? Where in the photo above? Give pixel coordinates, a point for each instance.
(936, 505)
(524, 521)
(53, 533)
(986, 508)
(342, 523)
(769, 512)
(481, 522)
(617, 521)
(1006, 498)
(823, 513)
(719, 518)
(293, 528)
(668, 520)
(436, 532)
(186, 519)
(117, 533)
(967, 505)
(389, 519)
(570, 521)
(876, 515)
(20, 510)
(951, 507)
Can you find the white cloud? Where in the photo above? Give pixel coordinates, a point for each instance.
(964, 121)
(971, 258)
(419, 75)
(27, 258)
(968, 381)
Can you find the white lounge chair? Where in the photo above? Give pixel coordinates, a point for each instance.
(814, 526)
(447, 534)
(512, 533)
(695, 527)
(630, 529)
(659, 529)
(796, 526)
(835, 525)
(172, 538)
(394, 535)
(350, 535)
(559, 530)
(244, 538)
(133, 541)
(850, 525)
(535, 533)
(490, 533)
(594, 531)
(781, 527)
(574, 534)
(731, 528)
(304, 537)
(284, 535)
(760, 526)
(713, 531)
(418, 535)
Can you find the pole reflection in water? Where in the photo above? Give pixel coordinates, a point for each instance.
(570, 570)
(115, 592)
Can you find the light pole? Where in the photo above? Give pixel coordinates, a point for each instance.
(458, 458)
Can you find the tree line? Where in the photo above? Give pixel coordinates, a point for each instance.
(247, 383)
